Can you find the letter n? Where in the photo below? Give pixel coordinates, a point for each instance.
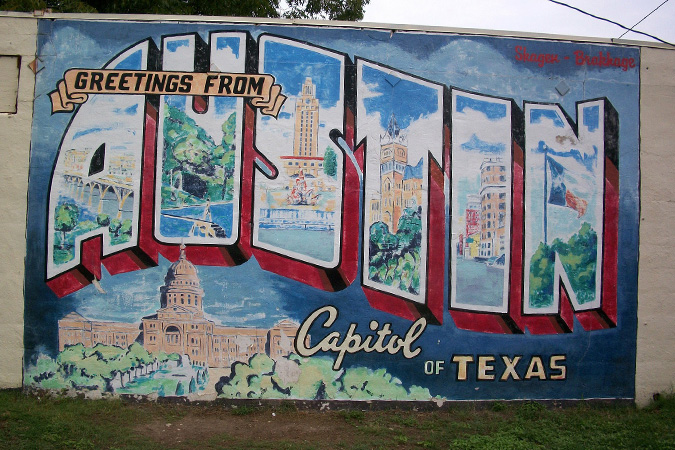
(571, 215)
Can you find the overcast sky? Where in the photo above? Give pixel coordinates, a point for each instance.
(540, 16)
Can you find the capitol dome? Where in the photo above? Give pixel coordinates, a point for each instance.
(181, 285)
(182, 269)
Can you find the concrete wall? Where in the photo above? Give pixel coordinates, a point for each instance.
(655, 357)
(19, 39)
(656, 333)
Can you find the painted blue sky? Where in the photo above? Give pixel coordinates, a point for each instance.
(90, 131)
(475, 143)
(291, 65)
(591, 117)
(173, 46)
(493, 111)
(406, 99)
(481, 130)
(224, 105)
(228, 300)
(537, 114)
(131, 62)
(231, 42)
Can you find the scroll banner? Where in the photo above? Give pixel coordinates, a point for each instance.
(77, 84)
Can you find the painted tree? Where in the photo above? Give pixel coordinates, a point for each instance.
(115, 227)
(578, 256)
(224, 156)
(193, 155)
(409, 231)
(180, 389)
(103, 220)
(187, 146)
(229, 130)
(381, 239)
(395, 258)
(330, 162)
(316, 380)
(138, 356)
(126, 227)
(70, 357)
(65, 220)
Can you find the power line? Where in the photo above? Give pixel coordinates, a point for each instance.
(638, 23)
(610, 21)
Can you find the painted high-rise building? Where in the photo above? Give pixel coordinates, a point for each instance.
(307, 122)
(393, 160)
(306, 156)
(493, 181)
(400, 183)
(472, 214)
(472, 226)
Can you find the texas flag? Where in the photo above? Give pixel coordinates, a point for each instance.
(559, 194)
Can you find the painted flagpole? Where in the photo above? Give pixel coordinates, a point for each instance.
(545, 199)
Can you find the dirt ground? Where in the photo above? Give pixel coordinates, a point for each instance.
(60, 422)
(266, 426)
(295, 425)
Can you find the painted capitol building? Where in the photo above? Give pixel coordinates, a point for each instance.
(179, 326)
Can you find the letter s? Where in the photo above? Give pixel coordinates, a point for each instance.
(519, 52)
(185, 83)
(557, 362)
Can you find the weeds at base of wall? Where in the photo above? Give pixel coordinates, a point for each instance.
(336, 405)
(46, 421)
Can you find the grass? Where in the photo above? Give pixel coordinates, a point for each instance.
(353, 415)
(31, 422)
(243, 410)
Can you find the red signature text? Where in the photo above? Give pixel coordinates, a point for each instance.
(540, 59)
(603, 60)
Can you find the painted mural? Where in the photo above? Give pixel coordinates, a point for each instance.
(278, 211)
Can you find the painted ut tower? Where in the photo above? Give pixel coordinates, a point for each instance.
(307, 122)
